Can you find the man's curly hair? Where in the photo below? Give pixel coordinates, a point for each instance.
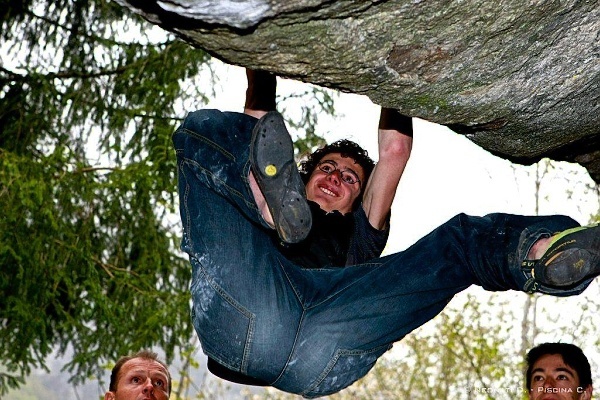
(346, 148)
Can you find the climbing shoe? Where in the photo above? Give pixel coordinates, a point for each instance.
(276, 172)
(572, 256)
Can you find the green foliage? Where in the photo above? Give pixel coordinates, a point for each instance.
(87, 181)
(87, 263)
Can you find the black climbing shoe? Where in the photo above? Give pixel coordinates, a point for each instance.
(571, 257)
(276, 172)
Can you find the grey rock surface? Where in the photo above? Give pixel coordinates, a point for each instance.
(520, 78)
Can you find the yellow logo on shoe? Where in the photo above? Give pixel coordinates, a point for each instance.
(270, 170)
(579, 264)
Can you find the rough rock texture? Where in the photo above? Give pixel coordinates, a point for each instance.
(521, 78)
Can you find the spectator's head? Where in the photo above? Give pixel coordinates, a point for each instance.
(139, 374)
(558, 371)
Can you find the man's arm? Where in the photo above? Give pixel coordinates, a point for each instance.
(395, 136)
(261, 93)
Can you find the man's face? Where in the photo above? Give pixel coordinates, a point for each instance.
(331, 187)
(141, 379)
(552, 379)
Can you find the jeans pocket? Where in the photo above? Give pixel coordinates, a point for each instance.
(345, 368)
(224, 327)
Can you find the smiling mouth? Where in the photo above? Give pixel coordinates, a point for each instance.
(327, 191)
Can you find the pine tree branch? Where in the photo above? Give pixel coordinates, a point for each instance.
(93, 38)
(94, 169)
(17, 77)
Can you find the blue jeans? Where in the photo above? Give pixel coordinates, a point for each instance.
(313, 332)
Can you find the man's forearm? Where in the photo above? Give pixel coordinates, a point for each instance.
(395, 144)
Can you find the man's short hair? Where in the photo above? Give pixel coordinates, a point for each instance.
(572, 356)
(346, 148)
(144, 354)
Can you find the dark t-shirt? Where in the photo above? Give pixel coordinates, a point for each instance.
(337, 240)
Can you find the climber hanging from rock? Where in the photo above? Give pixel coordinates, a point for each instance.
(288, 286)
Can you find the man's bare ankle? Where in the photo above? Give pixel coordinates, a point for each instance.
(538, 249)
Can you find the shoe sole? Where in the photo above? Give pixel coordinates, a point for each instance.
(571, 258)
(273, 165)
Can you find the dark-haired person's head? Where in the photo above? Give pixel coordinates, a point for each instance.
(336, 175)
(140, 375)
(558, 371)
